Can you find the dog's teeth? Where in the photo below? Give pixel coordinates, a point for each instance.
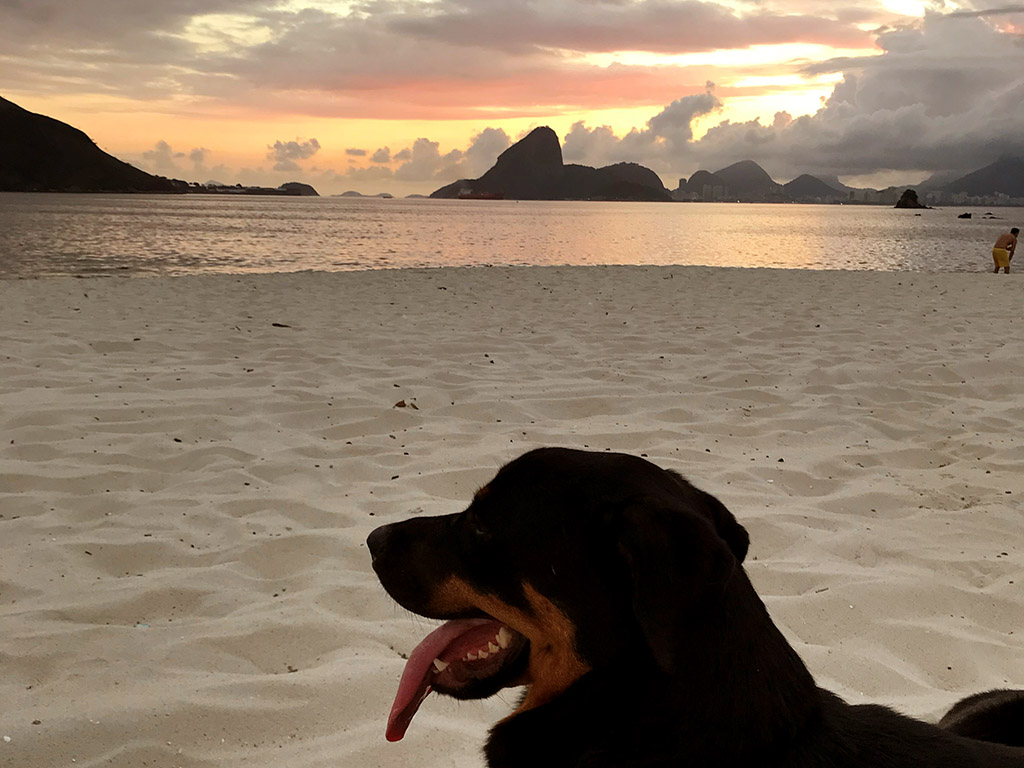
(439, 665)
(503, 637)
(482, 655)
(493, 648)
(470, 657)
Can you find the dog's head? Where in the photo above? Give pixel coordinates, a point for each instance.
(565, 562)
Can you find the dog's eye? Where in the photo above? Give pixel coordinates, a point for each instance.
(476, 527)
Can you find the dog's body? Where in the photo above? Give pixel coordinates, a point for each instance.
(996, 716)
(614, 590)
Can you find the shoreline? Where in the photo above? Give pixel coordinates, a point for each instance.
(191, 466)
(124, 273)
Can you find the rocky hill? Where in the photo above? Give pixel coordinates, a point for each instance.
(39, 154)
(532, 169)
(807, 188)
(749, 181)
(745, 181)
(298, 189)
(700, 186)
(909, 200)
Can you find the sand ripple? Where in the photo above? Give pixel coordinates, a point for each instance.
(189, 468)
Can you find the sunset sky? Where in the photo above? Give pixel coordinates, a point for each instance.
(405, 96)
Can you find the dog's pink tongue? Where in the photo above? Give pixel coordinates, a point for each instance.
(415, 683)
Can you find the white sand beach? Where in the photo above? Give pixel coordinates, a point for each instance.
(189, 468)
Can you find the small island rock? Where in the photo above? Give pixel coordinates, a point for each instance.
(909, 200)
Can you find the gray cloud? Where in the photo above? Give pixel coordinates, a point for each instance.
(1004, 11)
(424, 162)
(161, 159)
(945, 94)
(285, 154)
(198, 157)
(483, 151)
(148, 50)
(946, 90)
(164, 160)
(645, 25)
(664, 143)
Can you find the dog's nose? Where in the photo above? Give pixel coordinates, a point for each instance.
(376, 542)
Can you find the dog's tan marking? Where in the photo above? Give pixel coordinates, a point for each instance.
(554, 665)
(481, 493)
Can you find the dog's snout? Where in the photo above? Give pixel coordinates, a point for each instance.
(376, 542)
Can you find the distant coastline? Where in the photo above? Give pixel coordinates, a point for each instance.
(532, 169)
(41, 154)
(289, 189)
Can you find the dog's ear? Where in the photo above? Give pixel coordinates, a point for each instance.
(680, 565)
(725, 522)
(727, 525)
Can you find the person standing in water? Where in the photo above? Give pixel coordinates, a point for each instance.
(1002, 251)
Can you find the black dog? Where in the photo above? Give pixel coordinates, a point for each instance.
(614, 591)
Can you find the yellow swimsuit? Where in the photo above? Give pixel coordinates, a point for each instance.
(1001, 257)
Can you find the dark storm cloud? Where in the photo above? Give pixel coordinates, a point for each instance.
(648, 25)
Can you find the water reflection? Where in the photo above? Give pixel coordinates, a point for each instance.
(117, 234)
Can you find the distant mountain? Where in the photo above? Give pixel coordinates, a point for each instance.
(745, 181)
(807, 188)
(1005, 176)
(532, 169)
(288, 189)
(937, 181)
(701, 186)
(353, 193)
(622, 181)
(38, 153)
(748, 181)
(834, 182)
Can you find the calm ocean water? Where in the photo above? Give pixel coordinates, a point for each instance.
(53, 234)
